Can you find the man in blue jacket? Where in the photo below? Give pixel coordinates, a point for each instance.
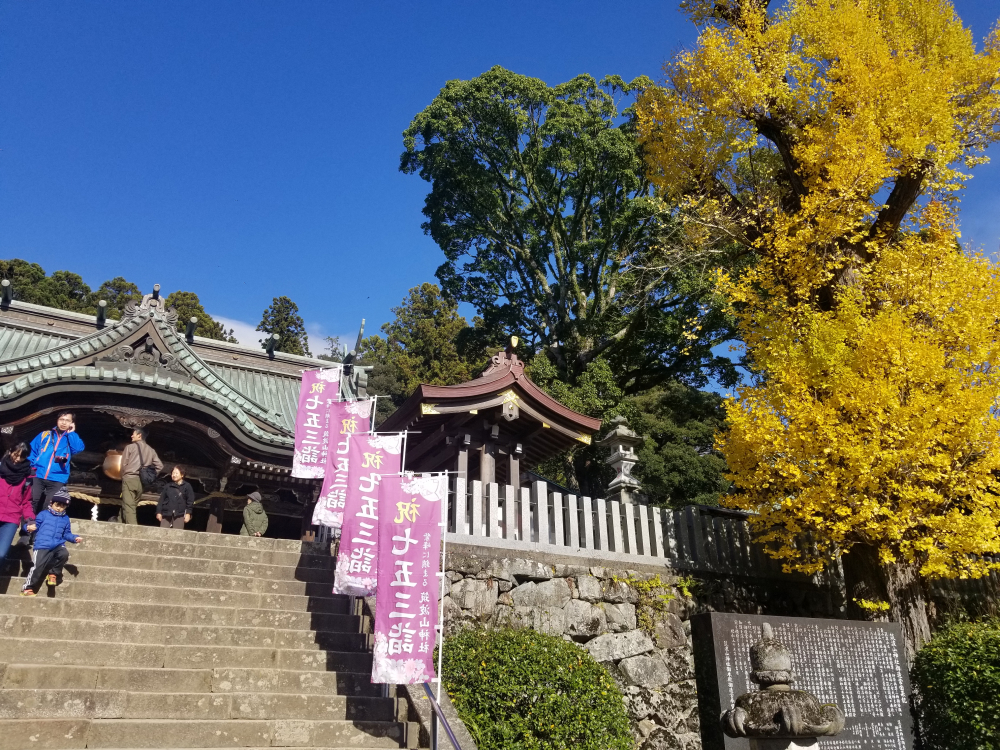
(51, 452)
(50, 544)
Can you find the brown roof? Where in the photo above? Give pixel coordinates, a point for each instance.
(503, 395)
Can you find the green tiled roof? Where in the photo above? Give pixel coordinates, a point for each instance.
(18, 342)
(32, 357)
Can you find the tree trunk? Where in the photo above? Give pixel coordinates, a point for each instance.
(900, 585)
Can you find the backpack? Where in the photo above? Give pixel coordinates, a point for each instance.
(147, 474)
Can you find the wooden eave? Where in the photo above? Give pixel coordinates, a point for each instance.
(549, 426)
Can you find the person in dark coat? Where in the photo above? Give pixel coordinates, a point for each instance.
(254, 517)
(176, 501)
(50, 553)
(15, 495)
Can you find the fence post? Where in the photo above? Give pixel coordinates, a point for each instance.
(574, 523)
(558, 519)
(658, 519)
(644, 532)
(540, 497)
(524, 496)
(461, 511)
(616, 525)
(697, 537)
(602, 523)
(629, 509)
(477, 509)
(493, 508)
(588, 523)
(509, 515)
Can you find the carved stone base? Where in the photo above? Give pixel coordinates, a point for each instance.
(798, 744)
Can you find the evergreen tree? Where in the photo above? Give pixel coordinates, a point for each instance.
(282, 318)
(117, 292)
(187, 305)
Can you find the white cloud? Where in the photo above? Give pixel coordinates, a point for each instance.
(248, 335)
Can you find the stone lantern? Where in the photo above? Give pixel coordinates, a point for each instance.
(622, 441)
(776, 717)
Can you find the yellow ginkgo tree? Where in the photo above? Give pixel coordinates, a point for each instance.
(830, 139)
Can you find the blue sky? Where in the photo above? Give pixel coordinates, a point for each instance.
(244, 150)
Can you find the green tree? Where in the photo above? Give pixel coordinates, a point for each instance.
(282, 317)
(63, 289)
(541, 205)
(187, 305)
(421, 345)
(117, 292)
(334, 350)
(67, 291)
(678, 463)
(422, 339)
(25, 278)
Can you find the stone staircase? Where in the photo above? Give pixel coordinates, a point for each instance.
(160, 638)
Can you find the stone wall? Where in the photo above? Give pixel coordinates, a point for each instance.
(639, 631)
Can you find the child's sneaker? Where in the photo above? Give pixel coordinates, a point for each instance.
(27, 592)
(51, 579)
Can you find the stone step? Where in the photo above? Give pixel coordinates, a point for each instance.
(93, 653)
(76, 570)
(154, 680)
(181, 614)
(154, 534)
(84, 556)
(124, 545)
(68, 734)
(55, 628)
(121, 704)
(196, 597)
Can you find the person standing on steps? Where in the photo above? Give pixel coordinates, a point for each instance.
(15, 495)
(176, 501)
(137, 459)
(254, 517)
(50, 553)
(51, 452)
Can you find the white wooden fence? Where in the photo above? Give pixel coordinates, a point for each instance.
(533, 518)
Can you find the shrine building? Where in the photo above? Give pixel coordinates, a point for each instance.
(227, 412)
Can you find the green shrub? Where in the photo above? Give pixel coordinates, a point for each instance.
(521, 690)
(957, 680)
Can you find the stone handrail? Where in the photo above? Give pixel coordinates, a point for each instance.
(533, 519)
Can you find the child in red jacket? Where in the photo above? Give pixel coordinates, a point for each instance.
(15, 495)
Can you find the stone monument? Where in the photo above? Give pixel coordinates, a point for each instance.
(622, 442)
(776, 717)
(858, 666)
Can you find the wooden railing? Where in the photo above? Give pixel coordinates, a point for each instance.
(537, 519)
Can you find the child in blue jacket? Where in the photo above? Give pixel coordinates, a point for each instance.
(50, 544)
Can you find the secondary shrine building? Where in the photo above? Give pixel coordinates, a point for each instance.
(227, 412)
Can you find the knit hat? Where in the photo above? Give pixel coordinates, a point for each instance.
(254, 496)
(60, 496)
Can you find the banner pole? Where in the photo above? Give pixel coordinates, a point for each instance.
(443, 523)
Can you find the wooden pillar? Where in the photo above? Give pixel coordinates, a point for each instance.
(488, 462)
(513, 469)
(462, 461)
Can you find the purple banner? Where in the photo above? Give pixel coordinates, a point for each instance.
(346, 419)
(406, 609)
(319, 389)
(374, 455)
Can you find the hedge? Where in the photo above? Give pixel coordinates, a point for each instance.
(956, 678)
(521, 690)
